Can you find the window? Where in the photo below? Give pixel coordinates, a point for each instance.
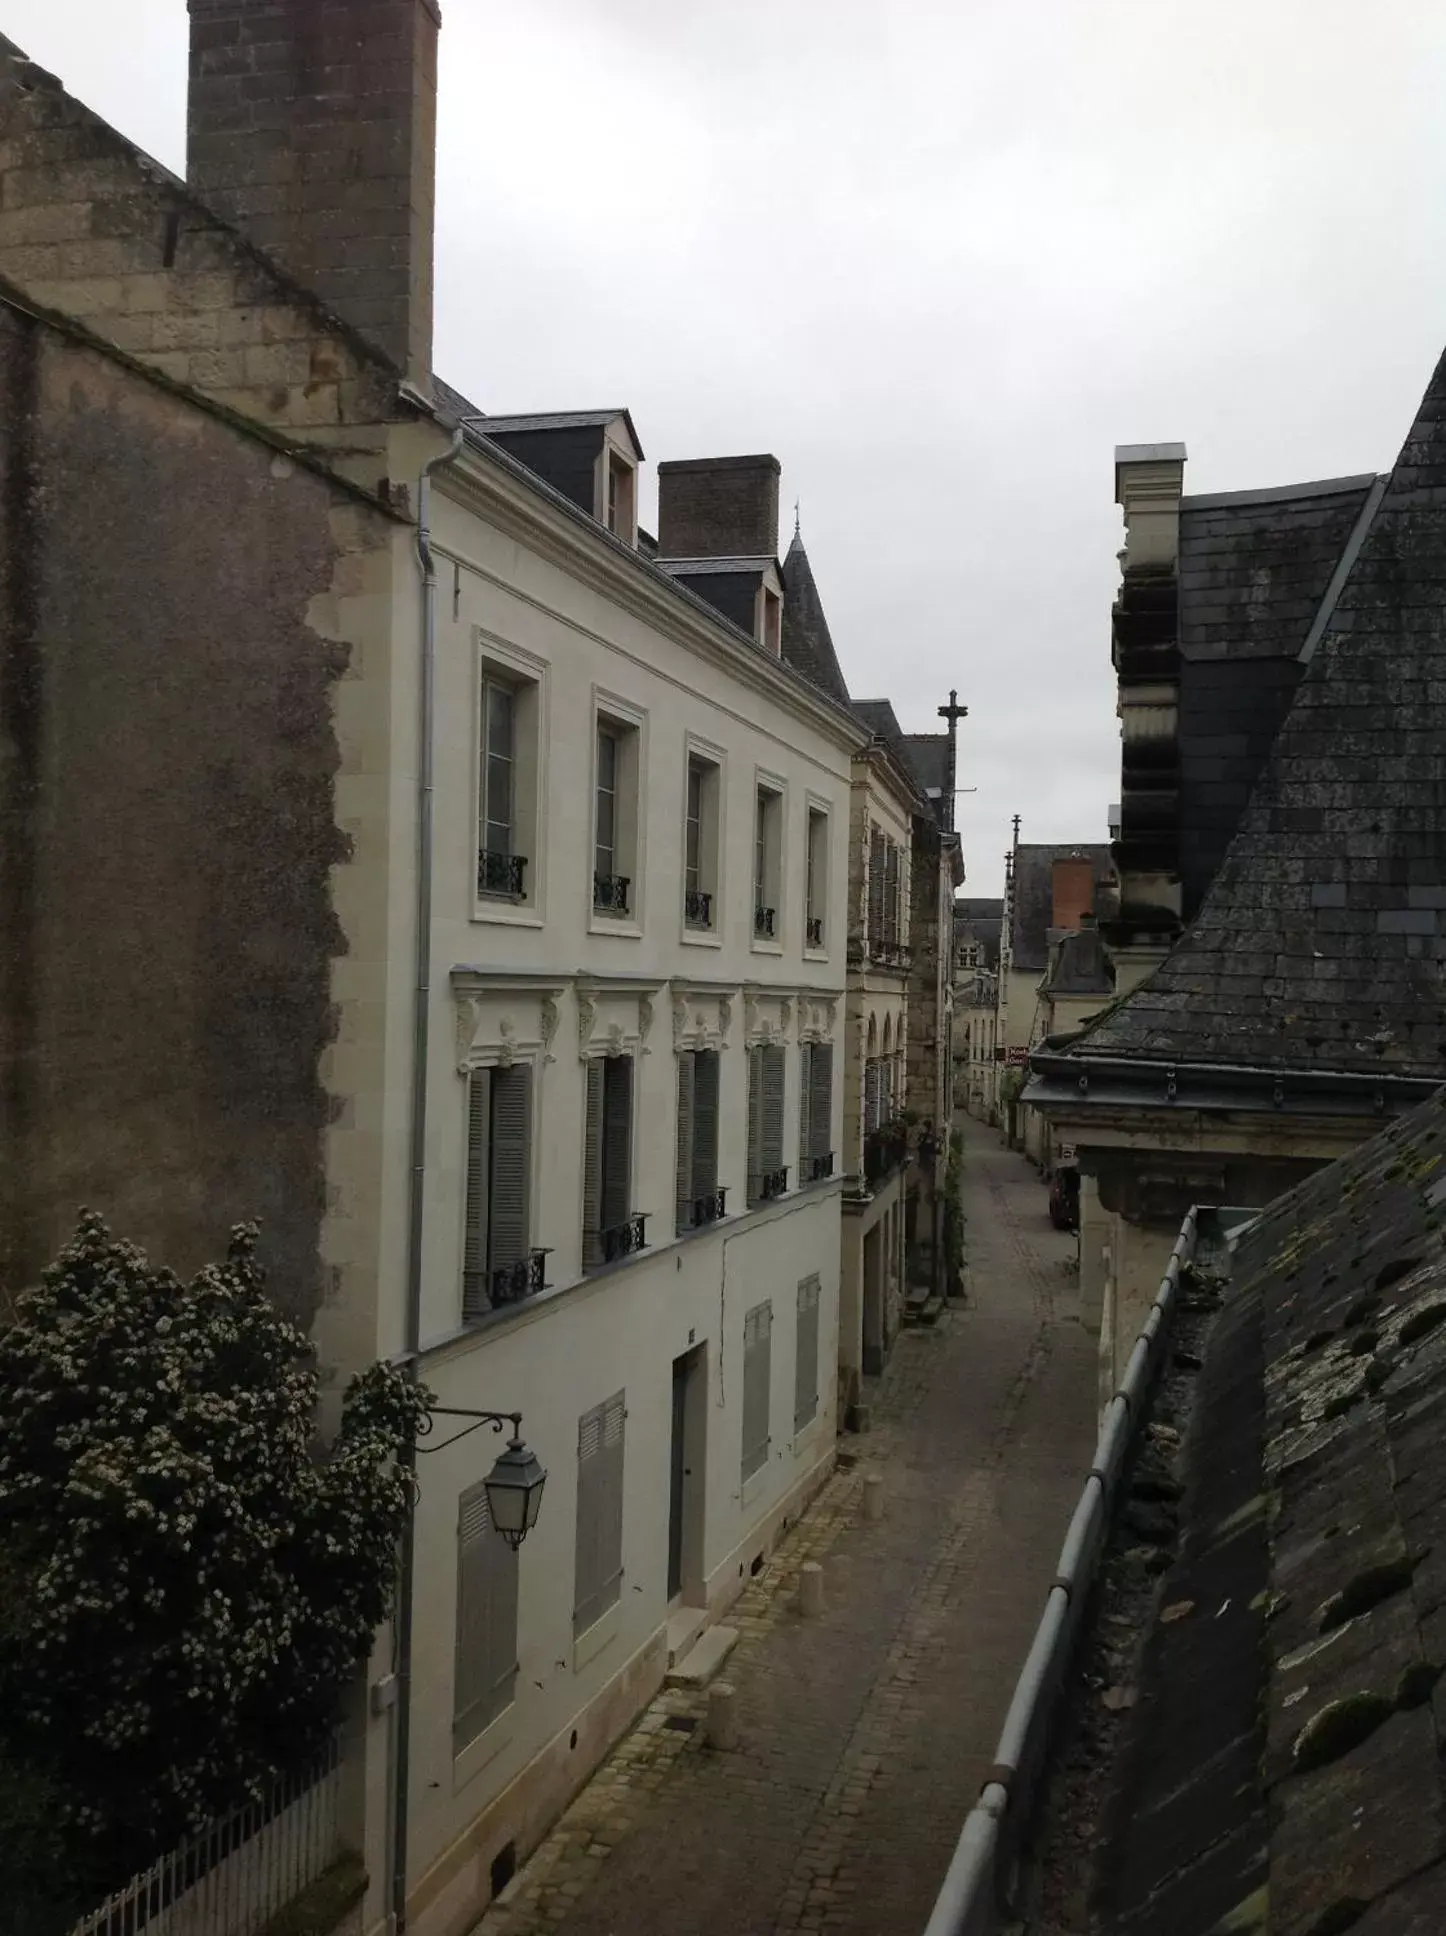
(699, 1200)
(506, 814)
(805, 1361)
(757, 1383)
(610, 1229)
(485, 1668)
(620, 497)
(700, 844)
(815, 1112)
(497, 1266)
(615, 819)
(767, 857)
(816, 879)
(599, 1566)
(767, 1177)
(771, 631)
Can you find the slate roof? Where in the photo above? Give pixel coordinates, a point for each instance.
(559, 420)
(1321, 943)
(1081, 966)
(807, 642)
(928, 757)
(712, 567)
(879, 716)
(1255, 565)
(1285, 1732)
(1034, 894)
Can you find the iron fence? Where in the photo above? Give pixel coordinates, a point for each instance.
(242, 1869)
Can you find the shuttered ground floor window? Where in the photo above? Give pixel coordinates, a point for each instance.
(499, 1160)
(485, 1673)
(599, 1572)
(805, 1363)
(697, 1163)
(757, 1385)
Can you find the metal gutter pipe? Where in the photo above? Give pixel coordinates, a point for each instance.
(416, 1200)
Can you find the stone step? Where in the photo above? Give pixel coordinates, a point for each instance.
(925, 1312)
(684, 1627)
(704, 1658)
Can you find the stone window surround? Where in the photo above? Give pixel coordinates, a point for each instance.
(527, 675)
(611, 708)
(697, 748)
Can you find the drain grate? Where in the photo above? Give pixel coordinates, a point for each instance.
(681, 1723)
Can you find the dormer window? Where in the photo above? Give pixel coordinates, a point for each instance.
(771, 632)
(620, 511)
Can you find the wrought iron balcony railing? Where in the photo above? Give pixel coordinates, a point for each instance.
(621, 1239)
(485, 1290)
(820, 1166)
(772, 1183)
(501, 874)
(763, 922)
(698, 908)
(610, 893)
(709, 1207)
(815, 931)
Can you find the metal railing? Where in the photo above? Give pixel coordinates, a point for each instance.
(238, 1873)
(697, 908)
(501, 874)
(813, 936)
(618, 1240)
(820, 1166)
(769, 1184)
(763, 922)
(610, 893)
(978, 1890)
(709, 1207)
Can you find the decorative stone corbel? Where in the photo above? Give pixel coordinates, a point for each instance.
(586, 1016)
(549, 1018)
(469, 1013)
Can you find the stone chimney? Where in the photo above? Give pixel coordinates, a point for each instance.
(1072, 880)
(718, 507)
(311, 127)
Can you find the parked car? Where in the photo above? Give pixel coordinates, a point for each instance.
(1064, 1197)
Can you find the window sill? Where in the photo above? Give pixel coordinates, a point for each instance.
(626, 927)
(594, 1639)
(815, 954)
(701, 938)
(753, 1485)
(484, 1748)
(506, 914)
(759, 946)
(804, 1435)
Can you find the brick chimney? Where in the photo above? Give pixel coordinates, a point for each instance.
(718, 507)
(1072, 879)
(311, 126)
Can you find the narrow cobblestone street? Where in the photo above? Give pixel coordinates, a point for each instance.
(865, 1734)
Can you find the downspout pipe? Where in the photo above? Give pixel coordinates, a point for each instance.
(416, 1200)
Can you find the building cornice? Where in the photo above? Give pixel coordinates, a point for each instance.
(1074, 1085)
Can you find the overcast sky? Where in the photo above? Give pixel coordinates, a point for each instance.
(940, 256)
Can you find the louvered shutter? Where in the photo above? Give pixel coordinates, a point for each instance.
(485, 1672)
(475, 1301)
(774, 1078)
(876, 885)
(511, 1165)
(755, 1124)
(599, 1544)
(805, 1090)
(705, 1122)
(684, 1164)
(592, 1166)
(820, 1100)
(757, 1378)
(617, 1141)
(805, 1364)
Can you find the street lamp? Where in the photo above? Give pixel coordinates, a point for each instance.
(514, 1485)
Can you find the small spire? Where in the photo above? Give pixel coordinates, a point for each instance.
(797, 535)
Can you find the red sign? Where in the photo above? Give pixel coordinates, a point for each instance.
(1016, 1057)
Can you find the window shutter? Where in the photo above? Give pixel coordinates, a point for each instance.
(511, 1164)
(485, 1672)
(805, 1142)
(820, 1101)
(599, 1548)
(617, 1140)
(592, 1166)
(475, 1301)
(755, 1124)
(805, 1364)
(684, 1165)
(757, 1377)
(705, 1122)
(876, 885)
(774, 1078)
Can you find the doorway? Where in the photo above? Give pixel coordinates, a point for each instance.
(685, 1480)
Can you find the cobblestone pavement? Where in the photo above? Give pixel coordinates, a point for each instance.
(864, 1735)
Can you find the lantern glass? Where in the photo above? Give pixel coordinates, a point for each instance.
(514, 1492)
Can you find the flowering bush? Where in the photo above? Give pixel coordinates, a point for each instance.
(189, 1582)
